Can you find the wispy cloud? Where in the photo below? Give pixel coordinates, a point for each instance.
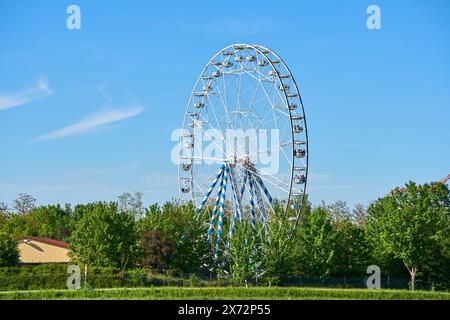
(40, 90)
(92, 122)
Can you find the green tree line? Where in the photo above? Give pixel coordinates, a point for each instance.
(406, 233)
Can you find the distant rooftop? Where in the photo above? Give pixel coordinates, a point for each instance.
(46, 240)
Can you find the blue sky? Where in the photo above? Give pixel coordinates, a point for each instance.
(377, 101)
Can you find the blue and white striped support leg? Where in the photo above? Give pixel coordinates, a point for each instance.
(263, 187)
(241, 192)
(252, 201)
(261, 209)
(211, 187)
(221, 210)
(237, 198)
(237, 213)
(216, 208)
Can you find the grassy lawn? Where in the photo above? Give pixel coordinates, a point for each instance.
(228, 293)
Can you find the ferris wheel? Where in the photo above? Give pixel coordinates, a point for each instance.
(244, 144)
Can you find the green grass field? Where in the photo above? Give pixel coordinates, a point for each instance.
(228, 293)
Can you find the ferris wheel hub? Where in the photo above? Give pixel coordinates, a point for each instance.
(245, 160)
(232, 159)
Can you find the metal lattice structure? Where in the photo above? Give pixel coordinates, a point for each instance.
(244, 87)
(445, 180)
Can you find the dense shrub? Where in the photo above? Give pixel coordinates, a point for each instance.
(186, 232)
(105, 236)
(9, 254)
(52, 221)
(157, 250)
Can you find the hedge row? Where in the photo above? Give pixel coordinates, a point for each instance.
(44, 277)
(54, 276)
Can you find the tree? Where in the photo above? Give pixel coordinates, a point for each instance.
(3, 208)
(3, 219)
(132, 202)
(266, 257)
(352, 250)
(46, 221)
(244, 253)
(9, 253)
(79, 211)
(317, 244)
(435, 272)
(185, 229)
(360, 214)
(3, 214)
(104, 236)
(157, 250)
(18, 225)
(51, 221)
(303, 213)
(411, 224)
(339, 210)
(278, 252)
(24, 203)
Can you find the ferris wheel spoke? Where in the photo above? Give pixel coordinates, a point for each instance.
(252, 102)
(228, 120)
(212, 105)
(224, 100)
(205, 158)
(263, 177)
(244, 177)
(257, 186)
(274, 114)
(281, 146)
(260, 202)
(251, 75)
(272, 105)
(264, 189)
(213, 140)
(270, 111)
(238, 101)
(244, 182)
(215, 116)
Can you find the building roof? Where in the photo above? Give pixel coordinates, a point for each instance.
(46, 240)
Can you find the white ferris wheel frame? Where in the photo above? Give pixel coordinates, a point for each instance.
(296, 116)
